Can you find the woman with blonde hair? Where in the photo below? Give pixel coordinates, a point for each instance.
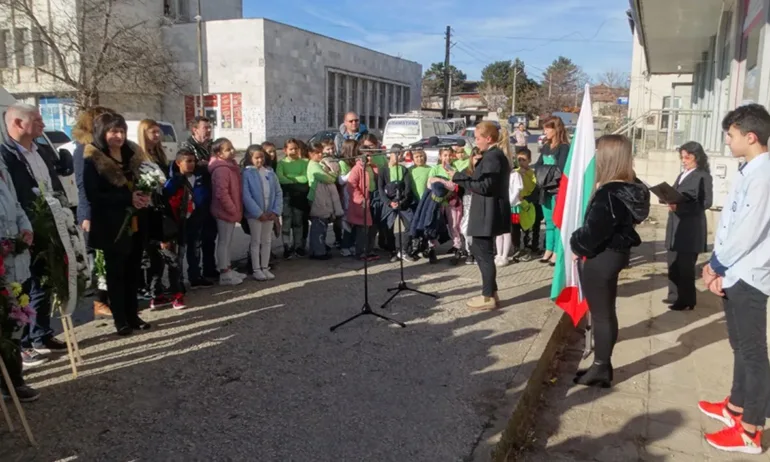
(603, 245)
(548, 169)
(490, 210)
(150, 136)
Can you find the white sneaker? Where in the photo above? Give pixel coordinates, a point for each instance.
(229, 279)
(259, 275)
(345, 252)
(270, 276)
(500, 262)
(239, 275)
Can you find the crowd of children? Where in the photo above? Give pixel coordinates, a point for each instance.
(366, 195)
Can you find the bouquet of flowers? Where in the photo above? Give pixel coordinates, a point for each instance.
(149, 182)
(15, 311)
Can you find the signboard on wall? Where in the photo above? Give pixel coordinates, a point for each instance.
(58, 113)
(223, 109)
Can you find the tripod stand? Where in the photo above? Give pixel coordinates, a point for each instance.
(366, 308)
(402, 285)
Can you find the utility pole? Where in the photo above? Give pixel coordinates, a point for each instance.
(549, 85)
(449, 98)
(198, 19)
(446, 71)
(513, 92)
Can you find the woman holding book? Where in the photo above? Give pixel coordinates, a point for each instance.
(686, 230)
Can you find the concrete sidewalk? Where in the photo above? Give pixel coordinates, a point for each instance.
(664, 363)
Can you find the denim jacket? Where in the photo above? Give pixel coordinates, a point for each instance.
(253, 193)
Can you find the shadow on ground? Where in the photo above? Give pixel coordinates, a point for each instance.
(253, 373)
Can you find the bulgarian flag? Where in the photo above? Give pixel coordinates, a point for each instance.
(577, 185)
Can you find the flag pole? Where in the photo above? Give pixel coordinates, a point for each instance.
(589, 331)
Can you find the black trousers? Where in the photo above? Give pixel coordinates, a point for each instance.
(123, 282)
(746, 317)
(483, 250)
(11, 354)
(208, 244)
(681, 277)
(599, 281)
(535, 242)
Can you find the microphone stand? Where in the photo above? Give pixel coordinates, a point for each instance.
(366, 309)
(402, 285)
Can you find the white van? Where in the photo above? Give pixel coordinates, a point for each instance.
(167, 136)
(405, 130)
(63, 155)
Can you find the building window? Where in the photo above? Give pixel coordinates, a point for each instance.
(5, 37)
(39, 49)
(668, 108)
(407, 98)
(330, 99)
(177, 10)
(399, 107)
(382, 114)
(22, 47)
(354, 94)
(342, 95)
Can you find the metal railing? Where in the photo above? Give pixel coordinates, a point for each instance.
(665, 129)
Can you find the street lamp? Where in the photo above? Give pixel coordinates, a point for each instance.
(198, 21)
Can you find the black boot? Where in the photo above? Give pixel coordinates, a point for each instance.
(432, 259)
(598, 375)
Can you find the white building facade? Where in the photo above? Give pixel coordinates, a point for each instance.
(264, 80)
(724, 46)
(261, 80)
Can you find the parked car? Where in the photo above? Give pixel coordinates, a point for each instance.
(58, 138)
(471, 131)
(328, 134)
(431, 152)
(63, 157)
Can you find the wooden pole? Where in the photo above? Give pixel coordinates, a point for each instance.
(17, 403)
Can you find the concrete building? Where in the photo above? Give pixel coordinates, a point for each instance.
(261, 79)
(267, 80)
(724, 48)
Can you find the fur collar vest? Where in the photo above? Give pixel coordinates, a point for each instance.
(111, 170)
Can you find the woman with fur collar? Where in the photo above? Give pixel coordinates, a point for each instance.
(83, 133)
(111, 166)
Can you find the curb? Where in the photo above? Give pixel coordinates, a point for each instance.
(512, 421)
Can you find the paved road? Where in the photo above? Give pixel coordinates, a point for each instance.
(253, 373)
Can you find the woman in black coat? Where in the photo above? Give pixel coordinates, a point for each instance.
(603, 246)
(686, 230)
(490, 214)
(110, 168)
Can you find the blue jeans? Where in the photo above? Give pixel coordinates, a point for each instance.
(193, 238)
(39, 328)
(318, 230)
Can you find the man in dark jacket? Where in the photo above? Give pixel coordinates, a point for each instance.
(31, 171)
(490, 209)
(199, 143)
(351, 129)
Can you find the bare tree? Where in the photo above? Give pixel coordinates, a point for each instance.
(89, 47)
(614, 79)
(495, 98)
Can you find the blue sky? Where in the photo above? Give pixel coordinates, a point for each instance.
(593, 33)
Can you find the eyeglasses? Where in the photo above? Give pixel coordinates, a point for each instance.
(352, 120)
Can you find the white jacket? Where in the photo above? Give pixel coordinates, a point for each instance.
(515, 185)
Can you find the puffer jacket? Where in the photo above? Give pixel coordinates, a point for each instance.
(227, 190)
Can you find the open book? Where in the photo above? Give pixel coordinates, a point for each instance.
(665, 193)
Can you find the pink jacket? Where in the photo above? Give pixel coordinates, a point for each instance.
(227, 190)
(358, 192)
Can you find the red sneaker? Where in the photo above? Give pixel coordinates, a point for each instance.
(735, 439)
(718, 411)
(178, 303)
